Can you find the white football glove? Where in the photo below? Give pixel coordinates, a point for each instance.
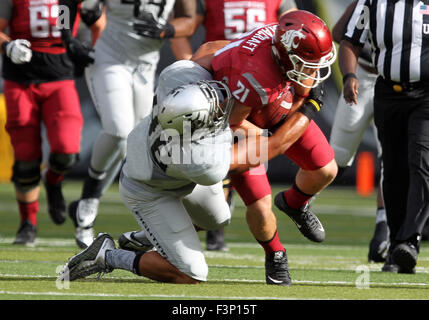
(19, 51)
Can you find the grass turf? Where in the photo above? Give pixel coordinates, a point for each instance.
(336, 269)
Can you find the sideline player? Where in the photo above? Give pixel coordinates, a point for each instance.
(39, 89)
(159, 177)
(121, 83)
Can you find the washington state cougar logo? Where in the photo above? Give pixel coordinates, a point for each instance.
(289, 39)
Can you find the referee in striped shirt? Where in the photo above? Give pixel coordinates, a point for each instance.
(398, 31)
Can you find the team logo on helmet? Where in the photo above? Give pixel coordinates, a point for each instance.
(290, 39)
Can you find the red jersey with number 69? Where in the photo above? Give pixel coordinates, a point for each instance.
(254, 78)
(227, 19)
(38, 21)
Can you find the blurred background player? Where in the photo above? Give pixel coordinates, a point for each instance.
(348, 128)
(162, 191)
(39, 89)
(227, 20)
(121, 83)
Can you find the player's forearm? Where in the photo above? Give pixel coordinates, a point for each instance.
(257, 149)
(97, 28)
(183, 26)
(181, 48)
(3, 36)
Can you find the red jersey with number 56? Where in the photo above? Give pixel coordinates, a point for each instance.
(227, 19)
(254, 78)
(37, 21)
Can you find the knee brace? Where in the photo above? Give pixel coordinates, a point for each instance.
(26, 175)
(61, 163)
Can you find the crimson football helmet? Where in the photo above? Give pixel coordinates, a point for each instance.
(303, 47)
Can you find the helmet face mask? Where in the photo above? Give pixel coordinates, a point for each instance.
(304, 70)
(303, 48)
(204, 104)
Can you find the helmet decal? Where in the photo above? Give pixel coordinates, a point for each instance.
(288, 39)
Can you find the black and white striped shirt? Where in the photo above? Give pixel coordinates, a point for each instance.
(398, 31)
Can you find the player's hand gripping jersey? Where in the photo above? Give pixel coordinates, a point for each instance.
(254, 78)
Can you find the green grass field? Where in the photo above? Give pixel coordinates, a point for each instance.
(336, 269)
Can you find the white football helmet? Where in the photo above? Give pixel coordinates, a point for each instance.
(205, 104)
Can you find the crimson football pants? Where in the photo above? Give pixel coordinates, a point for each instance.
(56, 105)
(310, 152)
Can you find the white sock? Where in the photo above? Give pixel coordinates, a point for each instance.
(381, 215)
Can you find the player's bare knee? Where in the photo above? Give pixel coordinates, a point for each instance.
(329, 172)
(61, 162)
(26, 175)
(261, 207)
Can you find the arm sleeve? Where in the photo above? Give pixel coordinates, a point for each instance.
(6, 7)
(357, 28)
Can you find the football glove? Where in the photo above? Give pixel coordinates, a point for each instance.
(78, 52)
(146, 25)
(314, 102)
(18, 51)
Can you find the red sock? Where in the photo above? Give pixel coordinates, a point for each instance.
(28, 211)
(53, 178)
(295, 198)
(272, 245)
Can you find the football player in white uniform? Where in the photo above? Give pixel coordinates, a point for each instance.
(121, 83)
(348, 128)
(171, 181)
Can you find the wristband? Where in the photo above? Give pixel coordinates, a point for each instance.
(349, 75)
(310, 108)
(169, 31)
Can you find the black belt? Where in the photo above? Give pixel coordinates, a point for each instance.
(406, 86)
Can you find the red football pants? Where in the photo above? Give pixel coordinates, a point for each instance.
(310, 152)
(56, 105)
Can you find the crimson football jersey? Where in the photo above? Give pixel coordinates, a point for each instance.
(254, 78)
(227, 19)
(37, 21)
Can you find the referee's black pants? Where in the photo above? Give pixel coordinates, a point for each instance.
(402, 120)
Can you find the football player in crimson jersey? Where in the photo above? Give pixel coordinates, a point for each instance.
(260, 68)
(38, 88)
(227, 20)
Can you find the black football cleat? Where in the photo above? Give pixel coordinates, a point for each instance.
(276, 269)
(389, 265)
(379, 244)
(26, 234)
(306, 221)
(215, 240)
(56, 202)
(405, 256)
